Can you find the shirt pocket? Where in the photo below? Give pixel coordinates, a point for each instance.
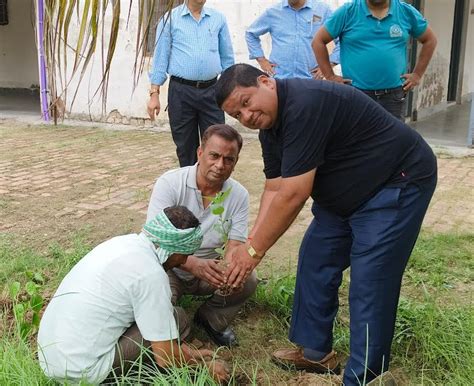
(312, 25)
(213, 38)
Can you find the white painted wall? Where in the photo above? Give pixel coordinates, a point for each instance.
(121, 95)
(240, 14)
(18, 57)
(434, 86)
(124, 102)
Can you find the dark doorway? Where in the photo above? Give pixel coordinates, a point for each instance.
(455, 62)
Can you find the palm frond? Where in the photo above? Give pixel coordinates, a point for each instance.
(94, 25)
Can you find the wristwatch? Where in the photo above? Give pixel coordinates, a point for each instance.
(253, 253)
(154, 91)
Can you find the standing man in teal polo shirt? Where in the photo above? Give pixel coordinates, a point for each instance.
(374, 35)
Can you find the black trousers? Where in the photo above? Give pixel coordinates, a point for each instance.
(191, 111)
(394, 101)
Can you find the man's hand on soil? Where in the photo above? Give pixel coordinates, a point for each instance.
(219, 370)
(199, 355)
(241, 265)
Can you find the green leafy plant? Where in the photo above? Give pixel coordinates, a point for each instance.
(222, 226)
(27, 304)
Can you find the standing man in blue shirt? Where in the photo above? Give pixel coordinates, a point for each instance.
(292, 25)
(193, 47)
(374, 35)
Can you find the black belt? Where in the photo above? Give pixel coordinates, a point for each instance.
(195, 83)
(384, 91)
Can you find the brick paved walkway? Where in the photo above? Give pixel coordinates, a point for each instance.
(61, 178)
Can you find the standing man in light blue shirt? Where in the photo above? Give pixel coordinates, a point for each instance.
(193, 46)
(292, 25)
(374, 36)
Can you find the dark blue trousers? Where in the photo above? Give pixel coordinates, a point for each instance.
(376, 242)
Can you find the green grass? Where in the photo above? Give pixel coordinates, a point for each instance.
(18, 364)
(433, 343)
(18, 261)
(434, 340)
(442, 261)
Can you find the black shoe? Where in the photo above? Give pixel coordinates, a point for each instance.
(225, 338)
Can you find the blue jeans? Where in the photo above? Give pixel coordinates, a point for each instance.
(376, 242)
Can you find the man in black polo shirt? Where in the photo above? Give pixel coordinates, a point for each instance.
(371, 178)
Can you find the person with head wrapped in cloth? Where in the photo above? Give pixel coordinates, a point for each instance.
(115, 304)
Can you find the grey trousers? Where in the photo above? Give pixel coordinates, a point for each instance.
(128, 350)
(218, 310)
(131, 346)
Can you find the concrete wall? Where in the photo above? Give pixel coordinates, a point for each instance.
(121, 98)
(433, 90)
(122, 102)
(18, 57)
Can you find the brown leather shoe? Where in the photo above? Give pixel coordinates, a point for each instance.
(292, 358)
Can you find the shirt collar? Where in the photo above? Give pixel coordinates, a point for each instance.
(191, 181)
(281, 95)
(308, 4)
(185, 11)
(368, 13)
(149, 244)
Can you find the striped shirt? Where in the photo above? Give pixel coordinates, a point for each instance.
(189, 48)
(292, 32)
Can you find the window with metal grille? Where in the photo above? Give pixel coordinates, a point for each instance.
(3, 12)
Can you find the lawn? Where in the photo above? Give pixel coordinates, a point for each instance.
(47, 227)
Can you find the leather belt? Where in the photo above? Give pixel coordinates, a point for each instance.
(195, 83)
(385, 91)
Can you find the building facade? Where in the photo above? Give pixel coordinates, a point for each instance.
(449, 78)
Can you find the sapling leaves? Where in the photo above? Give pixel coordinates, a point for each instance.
(222, 225)
(220, 251)
(218, 210)
(31, 288)
(36, 302)
(27, 305)
(19, 311)
(14, 289)
(35, 320)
